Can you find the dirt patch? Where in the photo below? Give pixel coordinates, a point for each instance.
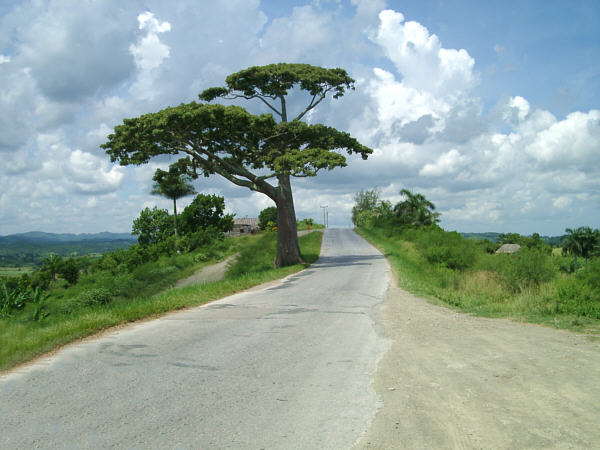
(214, 272)
(451, 380)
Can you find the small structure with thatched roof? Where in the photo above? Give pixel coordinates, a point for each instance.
(243, 226)
(508, 248)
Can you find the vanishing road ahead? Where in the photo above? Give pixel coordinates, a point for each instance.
(284, 366)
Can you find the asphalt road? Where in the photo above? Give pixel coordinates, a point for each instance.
(285, 366)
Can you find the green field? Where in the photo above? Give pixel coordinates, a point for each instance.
(14, 271)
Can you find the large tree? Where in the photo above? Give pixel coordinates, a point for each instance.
(253, 151)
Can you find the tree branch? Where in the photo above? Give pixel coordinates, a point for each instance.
(260, 97)
(228, 170)
(313, 104)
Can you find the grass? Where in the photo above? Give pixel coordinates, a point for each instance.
(14, 271)
(23, 340)
(482, 289)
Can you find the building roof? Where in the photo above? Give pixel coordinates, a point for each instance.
(246, 221)
(509, 248)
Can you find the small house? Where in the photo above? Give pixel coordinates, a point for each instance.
(508, 248)
(244, 226)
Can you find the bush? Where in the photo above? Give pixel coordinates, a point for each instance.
(447, 249)
(200, 238)
(267, 215)
(93, 297)
(12, 299)
(69, 270)
(578, 298)
(527, 268)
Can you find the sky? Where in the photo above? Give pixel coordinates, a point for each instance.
(489, 109)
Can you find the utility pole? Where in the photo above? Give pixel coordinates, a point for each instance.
(325, 215)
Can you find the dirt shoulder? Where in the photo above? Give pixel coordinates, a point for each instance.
(214, 272)
(451, 380)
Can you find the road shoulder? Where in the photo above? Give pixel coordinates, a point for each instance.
(451, 380)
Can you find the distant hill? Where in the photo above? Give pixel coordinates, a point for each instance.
(489, 235)
(37, 237)
(492, 236)
(29, 249)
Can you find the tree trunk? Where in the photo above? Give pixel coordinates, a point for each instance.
(288, 250)
(175, 215)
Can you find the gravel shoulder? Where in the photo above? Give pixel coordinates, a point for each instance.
(451, 380)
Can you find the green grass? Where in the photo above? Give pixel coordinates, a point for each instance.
(23, 339)
(483, 290)
(14, 271)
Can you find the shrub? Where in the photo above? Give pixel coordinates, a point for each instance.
(578, 298)
(69, 270)
(267, 215)
(200, 238)
(527, 268)
(12, 299)
(93, 297)
(448, 249)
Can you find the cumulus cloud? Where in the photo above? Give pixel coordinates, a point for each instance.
(73, 52)
(149, 52)
(446, 164)
(69, 74)
(572, 142)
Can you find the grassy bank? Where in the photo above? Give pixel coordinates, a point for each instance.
(531, 286)
(23, 339)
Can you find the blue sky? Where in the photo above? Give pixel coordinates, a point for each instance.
(488, 108)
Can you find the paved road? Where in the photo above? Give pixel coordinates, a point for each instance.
(287, 366)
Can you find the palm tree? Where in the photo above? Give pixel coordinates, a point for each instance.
(173, 185)
(52, 264)
(416, 210)
(580, 242)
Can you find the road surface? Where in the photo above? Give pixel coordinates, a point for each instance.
(286, 366)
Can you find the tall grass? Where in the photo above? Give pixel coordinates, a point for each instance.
(529, 286)
(23, 339)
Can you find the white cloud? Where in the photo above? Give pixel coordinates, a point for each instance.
(149, 52)
(562, 202)
(572, 142)
(446, 164)
(517, 110)
(421, 59)
(76, 71)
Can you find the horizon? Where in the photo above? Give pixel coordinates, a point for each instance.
(126, 232)
(492, 111)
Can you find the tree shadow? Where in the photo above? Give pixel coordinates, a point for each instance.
(347, 260)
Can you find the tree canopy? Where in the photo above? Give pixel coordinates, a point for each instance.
(152, 226)
(267, 215)
(205, 212)
(274, 81)
(582, 241)
(253, 151)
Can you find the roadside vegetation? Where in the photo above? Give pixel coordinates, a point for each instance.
(267, 220)
(70, 298)
(539, 284)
